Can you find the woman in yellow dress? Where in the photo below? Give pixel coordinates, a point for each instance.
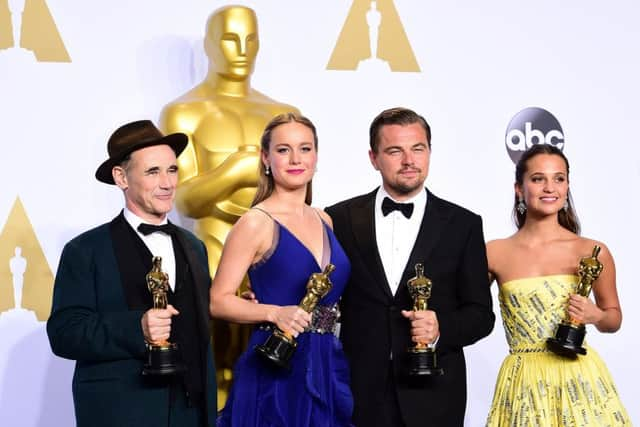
(536, 273)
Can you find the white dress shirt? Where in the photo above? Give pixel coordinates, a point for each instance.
(159, 244)
(396, 235)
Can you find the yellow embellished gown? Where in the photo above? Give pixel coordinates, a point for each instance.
(535, 387)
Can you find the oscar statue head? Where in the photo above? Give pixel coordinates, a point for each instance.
(231, 42)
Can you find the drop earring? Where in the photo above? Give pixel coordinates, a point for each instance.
(267, 170)
(521, 207)
(565, 207)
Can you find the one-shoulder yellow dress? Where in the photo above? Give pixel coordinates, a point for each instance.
(535, 387)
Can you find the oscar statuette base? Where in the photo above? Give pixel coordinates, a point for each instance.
(278, 350)
(422, 362)
(568, 340)
(163, 360)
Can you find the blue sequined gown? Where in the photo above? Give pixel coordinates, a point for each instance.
(316, 390)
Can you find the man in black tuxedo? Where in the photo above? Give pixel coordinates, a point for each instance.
(385, 234)
(103, 316)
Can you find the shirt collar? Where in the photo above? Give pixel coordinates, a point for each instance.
(419, 200)
(134, 220)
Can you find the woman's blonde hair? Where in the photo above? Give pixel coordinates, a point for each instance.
(266, 184)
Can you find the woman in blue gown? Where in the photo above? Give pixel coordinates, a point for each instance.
(280, 243)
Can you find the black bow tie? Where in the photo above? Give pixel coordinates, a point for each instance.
(147, 229)
(389, 206)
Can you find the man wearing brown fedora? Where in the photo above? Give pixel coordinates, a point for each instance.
(102, 314)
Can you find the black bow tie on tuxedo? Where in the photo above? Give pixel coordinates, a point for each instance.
(389, 206)
(147, 229)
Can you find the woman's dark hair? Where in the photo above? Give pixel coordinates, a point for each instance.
(567, 218)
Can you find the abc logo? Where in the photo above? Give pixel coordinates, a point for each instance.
(532, 126)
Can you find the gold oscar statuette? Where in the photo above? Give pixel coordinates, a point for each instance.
(421, 357)
(570, 333)
(162, 356)
(281, 345)
(224, 117)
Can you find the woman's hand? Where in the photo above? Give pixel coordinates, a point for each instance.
(290, 319)
(583, 310)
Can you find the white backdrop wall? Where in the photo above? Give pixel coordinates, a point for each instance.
(481, 63)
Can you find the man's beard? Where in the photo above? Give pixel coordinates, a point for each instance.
(406, 188)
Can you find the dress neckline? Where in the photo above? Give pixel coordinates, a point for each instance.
(325, 239)
(536, 279)
(306, 248)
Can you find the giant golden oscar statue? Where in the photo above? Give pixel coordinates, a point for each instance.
(224, 118)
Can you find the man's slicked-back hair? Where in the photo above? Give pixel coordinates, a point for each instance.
(396, 116)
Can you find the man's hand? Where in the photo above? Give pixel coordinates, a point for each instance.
(156, 324)
(249, 296)
(424, 326)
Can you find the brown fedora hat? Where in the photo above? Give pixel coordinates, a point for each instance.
(134, 136)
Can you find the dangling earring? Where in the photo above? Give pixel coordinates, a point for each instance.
(267, 170)
(565, 207)
(521, 207)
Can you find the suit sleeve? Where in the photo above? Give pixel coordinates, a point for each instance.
(76, 329)
(333, 212)
(474, 317)
(205, 262)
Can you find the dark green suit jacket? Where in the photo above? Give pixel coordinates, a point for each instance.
(91, 323)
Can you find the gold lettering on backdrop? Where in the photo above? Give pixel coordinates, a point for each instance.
(28, 25)
(373, 37)
(26, 280)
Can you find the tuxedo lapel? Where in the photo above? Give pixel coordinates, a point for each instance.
(200, 279)
(134, 262)
(433, 223)
(364, 230)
